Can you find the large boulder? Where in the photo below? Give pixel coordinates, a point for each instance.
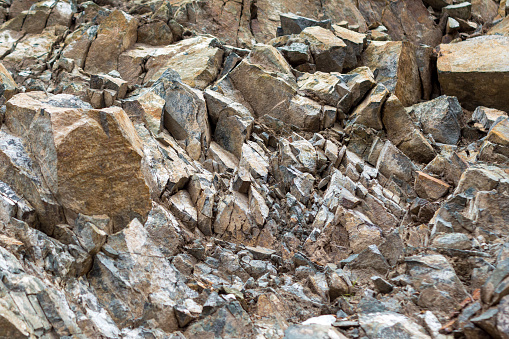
(79, 151)
(476, 71)
(395, 66)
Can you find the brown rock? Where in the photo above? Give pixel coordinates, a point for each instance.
(116, 34)
(397, 68)
(328, 50)
(430, 188)
(476, 71)
(368, 112)
(79, 150)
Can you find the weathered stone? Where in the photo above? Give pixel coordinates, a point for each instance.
(356, 42)
(270, 59)
(181, 205)
(185, 113)
(328, 50)
(324, 87)
(265, 93)
(369, 111)
(457, 241)
(462, 10)
(155, 33)
(115, 34)
(440, 288)
(294, 24)
(402, 132)
(487, 116)
(440, 117)
(391, 326)
(392, 161)
(24, 175)
(459, 76)
(397, 69)
(78, 149)
(430, 188)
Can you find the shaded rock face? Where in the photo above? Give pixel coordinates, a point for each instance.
(254, 169)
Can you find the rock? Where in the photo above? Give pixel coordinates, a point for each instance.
(78, 149)
(29, 49)
(370, 259)
(457, 241)
(368, 112)
(7, 84)
(462, 10)
(430, 188)
(382, 285)
(402, 132)
(294, 24)
(254, 161)
(487, 117)
(448, 166)
(359, 82)
(181, 205)
(90, 236)
(265, 93)
(396, 67)
(125, 295)
(324, 87)
(304, 113)
(328, 50)
(229, 320)
(185, 114)
(392, 162)
(391, 325)
(356, 42)
(270, 59)
(203, 193)
(24, 176)
(115, 34)
(432, 275)
(155, 33)
(458, 75)
(440, 117)
(296, 53)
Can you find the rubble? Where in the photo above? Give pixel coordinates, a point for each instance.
(254, 169)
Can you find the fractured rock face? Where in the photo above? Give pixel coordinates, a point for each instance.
(78, 149)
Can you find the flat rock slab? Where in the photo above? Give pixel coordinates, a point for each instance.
(476, 71)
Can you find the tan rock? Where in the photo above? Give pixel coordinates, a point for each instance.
(368, 112)
(31, 49)
(402, 132)
(8, 39)
(328, 50)
(397, 68)
(265, 93)
(116, 34)
(502, 28)
(196, 60)
(324, 87)
(499, 133)
(270, 59)
(430, 188)
(9, 86)
(77, 44)
(356, 42)
(79, 150)
(476, 71)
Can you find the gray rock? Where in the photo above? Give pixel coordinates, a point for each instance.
(440, 117)
(294, 24)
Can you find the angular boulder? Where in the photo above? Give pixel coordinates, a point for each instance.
(476, 71)
(395, 66)
(79, 151)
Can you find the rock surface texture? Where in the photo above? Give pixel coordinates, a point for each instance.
(254, 169)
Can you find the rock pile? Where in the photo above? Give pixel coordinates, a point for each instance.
(221, 169)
